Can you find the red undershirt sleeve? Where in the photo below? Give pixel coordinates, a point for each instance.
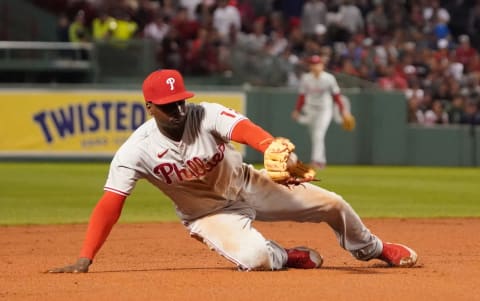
(300, 102)
(104, 216)
(338, 101)
(246, 132)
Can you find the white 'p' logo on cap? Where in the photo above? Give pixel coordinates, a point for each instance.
(170, 81)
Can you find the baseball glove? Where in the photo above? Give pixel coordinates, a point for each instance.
(283, 166)
(275, 159)
(298, 169)
(348, 122)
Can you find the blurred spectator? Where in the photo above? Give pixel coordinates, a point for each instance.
(275, 21)
(474, 25)
(436, 115)
(414, 113)
(157, 29)
(351, 17)
(377, 22)
(294, 71)
(391, 80)
(314, 12)
(459, 12)
(472, 114)
(103, 26)
(204, 13)
(256, 40)
(442, 54)
(224, 16)
(456, 111)
(278, 43)
(145, 13)
(473, 65)
(296, 41)
(187, 28)
(443, 92)
(433, 12)
(464, 52)
(247, 14)
(348, 67)
(191, 7)
(169, 8)
(367, 6)
(63, 25)
(87, 7)
(287, 8)
(440, 28)
(78, 30)
(126, 27)
(173, 51)
(202, 57)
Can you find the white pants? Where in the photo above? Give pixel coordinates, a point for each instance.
(317, 120)
(231, 234)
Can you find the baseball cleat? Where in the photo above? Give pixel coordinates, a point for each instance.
(398, 255)
(303, 258)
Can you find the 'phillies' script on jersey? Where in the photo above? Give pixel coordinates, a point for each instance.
(195, 167)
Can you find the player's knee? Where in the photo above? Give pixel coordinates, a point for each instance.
(336, 202)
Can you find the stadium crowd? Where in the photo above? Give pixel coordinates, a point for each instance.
(428, 49)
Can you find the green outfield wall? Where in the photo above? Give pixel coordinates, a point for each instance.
(382, 136)
(72, 122)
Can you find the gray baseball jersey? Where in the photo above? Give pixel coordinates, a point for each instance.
(318, 91)
(201, 173)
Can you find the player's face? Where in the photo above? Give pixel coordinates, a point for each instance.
(317, 68)
(171, 115)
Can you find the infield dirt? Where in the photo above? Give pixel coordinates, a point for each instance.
(159, 261)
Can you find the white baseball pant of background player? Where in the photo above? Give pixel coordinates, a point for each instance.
(317, 111)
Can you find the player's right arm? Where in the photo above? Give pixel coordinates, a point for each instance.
(298, 106)
(103, 218)
(247, 132)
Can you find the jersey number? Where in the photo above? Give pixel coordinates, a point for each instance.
(227, 114)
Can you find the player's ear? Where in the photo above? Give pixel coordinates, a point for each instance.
(148, 106)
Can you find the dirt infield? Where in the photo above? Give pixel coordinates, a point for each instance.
(159, 261)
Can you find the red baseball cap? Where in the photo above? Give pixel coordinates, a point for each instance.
(315, 59)
(164, 86)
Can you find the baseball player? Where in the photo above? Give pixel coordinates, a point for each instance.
(315, 108)
(184, 151)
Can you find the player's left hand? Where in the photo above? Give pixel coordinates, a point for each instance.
(348, 122)
(295, 115)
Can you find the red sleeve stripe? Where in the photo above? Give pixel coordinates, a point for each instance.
(338, 99)
(300, 102)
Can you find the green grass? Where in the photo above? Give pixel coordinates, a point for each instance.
(51, 193)
(407, 191)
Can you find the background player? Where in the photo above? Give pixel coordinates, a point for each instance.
(314, 107)
(184, 151)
